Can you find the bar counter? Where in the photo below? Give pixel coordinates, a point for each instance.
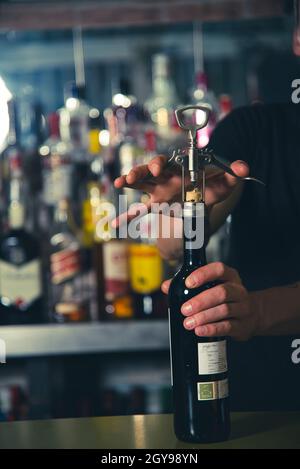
(249, 430)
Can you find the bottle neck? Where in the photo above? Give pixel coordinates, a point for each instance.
(16, 215)
(61, 213)
(193, 257)
(13, 132)
(193, 235)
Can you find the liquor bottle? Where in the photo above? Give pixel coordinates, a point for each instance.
(31, 137)
(74, 121)
(12, 153)
(146, 274)
(67, 300)
(56, 163)
(199, 364)
(20, 268)
(111, 263)
(163, 102)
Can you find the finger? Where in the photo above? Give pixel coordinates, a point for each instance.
(137, 173)
(220, 185)
(240, 168)
(210, 272)
(166, 285)
(212, 297)
(156, 165)
(120, 182)
(218, 329)
(221, 312)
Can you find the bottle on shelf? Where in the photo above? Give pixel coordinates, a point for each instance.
(57, 166)
(74, 121)
(146, 275)
(67, 298)
(11, 153)
(163, 102)
(31, 137)
(126, 120)
(93, 188)
(21, 296)
(111, 264)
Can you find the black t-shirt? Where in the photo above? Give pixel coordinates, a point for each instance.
(264, 243)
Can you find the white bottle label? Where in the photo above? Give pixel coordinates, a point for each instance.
(213, 390)
(57, 184)
(212, 357)
(20, 284)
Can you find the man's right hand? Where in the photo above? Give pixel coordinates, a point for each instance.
(165, 185)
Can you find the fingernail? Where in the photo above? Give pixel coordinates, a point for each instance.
(186, 308)
(202, 330)
(189, 323)
(190, 282)
(155, 168)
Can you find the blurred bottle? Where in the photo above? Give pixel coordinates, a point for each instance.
(126, 120)
(163, 102)
(56, 163)
(94, 187)
(11, 153)
(20, 404)
(110, 260)
(146, 274)
(74, 121)
(202, 95)
(31, 137)
(20, 263)
(67, 301)
(5, 404)
(225, 105)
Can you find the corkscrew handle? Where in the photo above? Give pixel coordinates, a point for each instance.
(181, 117)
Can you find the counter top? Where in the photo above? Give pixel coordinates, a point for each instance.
(249, 430)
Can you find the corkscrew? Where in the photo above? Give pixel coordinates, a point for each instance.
(194, 160)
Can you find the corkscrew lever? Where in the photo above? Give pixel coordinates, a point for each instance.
(192, 119)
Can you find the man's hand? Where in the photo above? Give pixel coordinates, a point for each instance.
(223, 310)
(165, 186)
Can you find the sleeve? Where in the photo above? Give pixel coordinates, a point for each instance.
(234, 136)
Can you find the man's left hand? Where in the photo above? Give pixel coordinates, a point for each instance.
(223, 310)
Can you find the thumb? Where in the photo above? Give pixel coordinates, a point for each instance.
(220, 185)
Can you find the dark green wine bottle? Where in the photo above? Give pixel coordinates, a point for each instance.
(199, 364)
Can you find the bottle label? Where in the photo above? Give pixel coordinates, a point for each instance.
(212, 391)
(88, 226)
(57, 184)
(212, 357)
(64, 265)
(146, 270)
(115, 269)
(21, 285)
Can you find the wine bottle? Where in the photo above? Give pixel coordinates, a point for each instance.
(199, 364)
(67, 299)
(20, 271)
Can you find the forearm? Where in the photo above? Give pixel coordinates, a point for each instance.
(277, 310)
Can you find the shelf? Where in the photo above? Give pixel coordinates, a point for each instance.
(56, 339)
(119, 13)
